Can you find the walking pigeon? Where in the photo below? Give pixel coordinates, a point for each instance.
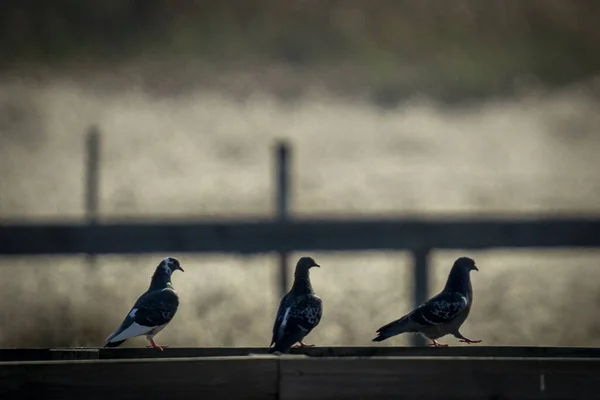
(153, 310)
(444, 313)
(299, 312)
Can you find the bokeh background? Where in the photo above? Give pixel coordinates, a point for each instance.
(392, 108)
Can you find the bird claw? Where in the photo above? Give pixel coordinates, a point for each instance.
(469, 341)
(153, 345)
(302, 345)
(436, 344)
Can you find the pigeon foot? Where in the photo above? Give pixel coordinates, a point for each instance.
(302, 345)
(153, 345)
(469, 341)
(161, 348)
(437, 344)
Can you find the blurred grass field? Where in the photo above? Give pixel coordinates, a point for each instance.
(386, 50)
(371, 99)
(210, 156)
(521, 298)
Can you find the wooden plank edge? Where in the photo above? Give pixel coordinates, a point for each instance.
(289, 357)
(40, 354)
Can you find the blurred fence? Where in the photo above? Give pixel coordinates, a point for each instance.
(283, 234)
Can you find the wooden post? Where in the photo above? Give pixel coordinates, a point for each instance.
(421, 286)
(92, 181)
(282, 183)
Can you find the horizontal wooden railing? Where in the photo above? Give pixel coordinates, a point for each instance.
(442, 373)
(262, 236)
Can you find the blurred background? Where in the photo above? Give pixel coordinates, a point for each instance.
(391, 108)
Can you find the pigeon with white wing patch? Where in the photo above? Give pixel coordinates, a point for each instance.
(299, 312)
(444, 313)
(153, 310)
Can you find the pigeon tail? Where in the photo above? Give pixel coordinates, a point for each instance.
(114, 344)
(275, 349)
(394, 328)
(282, 348)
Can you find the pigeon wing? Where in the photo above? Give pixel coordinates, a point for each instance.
(285, 302)
(152, 310)
(157, 308)
(441, 309)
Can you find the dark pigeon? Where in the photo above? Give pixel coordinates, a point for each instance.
(153, 310)
(299, 312)
(444, 313)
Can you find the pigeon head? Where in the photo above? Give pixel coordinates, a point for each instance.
(170, 264)
(162, 274)
(458, 279)
(466, 263)
(304, 264)
(302, 283)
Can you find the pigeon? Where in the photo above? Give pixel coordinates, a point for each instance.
(153, 310)
(444, 313)
(299, 312)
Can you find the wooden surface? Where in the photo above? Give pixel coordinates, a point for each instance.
(267, 236)
(440, 378)
(300, 377)
(34, 354)
(49, 354)
(172, 379)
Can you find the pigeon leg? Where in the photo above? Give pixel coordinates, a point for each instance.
(153, 344)
(436, 344)
(464, 339)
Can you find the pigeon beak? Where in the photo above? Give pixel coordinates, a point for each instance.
(475, 268)
(181, 269)
(317, 265)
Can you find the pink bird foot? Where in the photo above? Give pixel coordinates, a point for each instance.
(469, 341)
(302, 345)
(153, 345)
